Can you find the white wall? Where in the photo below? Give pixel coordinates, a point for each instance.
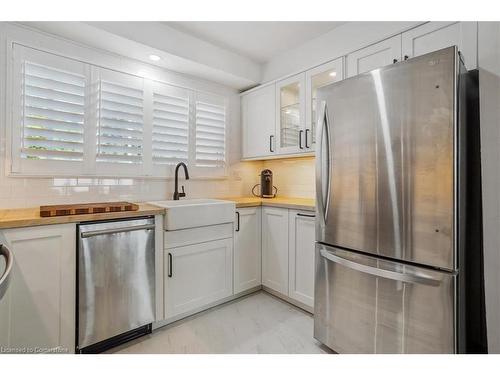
(28, 192)
(338, 42)
(179, 51)
(489, 81)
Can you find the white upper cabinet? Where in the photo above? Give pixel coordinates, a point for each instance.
(247, 249)
(433, 36)
(375, 56)
(316, 78)
(301, 256)
(275, 249)
(290, 114)
(37, 313)
(258, 122)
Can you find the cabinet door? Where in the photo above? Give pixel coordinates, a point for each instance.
(258, 114)
(37, 314)
(247, 249)
(316, 78)
(290, 114)
(197, 275)
(301, 256)
(433, 36)
(375, 56)
(275, 249)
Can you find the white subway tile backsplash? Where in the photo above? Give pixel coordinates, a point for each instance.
(293, 177)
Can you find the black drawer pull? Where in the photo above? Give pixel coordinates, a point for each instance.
(170, 265)
(305, 215)
(271, 143)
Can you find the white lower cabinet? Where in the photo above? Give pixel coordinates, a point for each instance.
(288, 243)
(197, 275)
(301, 256)
(275, 249)
(37, 314)
(247, 249)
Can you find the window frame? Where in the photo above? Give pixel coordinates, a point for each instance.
(166, 170)
(21, 165)
(214, 100)
(94, 62)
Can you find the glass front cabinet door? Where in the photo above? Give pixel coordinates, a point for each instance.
(316, 78)
(290, 95)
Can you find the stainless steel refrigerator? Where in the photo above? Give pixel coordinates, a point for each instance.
(390, 170)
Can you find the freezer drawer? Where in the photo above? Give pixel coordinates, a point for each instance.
(367, 305)
(116, 275)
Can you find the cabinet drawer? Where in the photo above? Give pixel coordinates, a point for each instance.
(184, 237)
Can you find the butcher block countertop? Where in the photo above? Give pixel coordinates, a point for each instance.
(283, 202)
(28, 217)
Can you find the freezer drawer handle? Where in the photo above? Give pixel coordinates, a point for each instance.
(93, 233)
(413, 279)
(9, 261)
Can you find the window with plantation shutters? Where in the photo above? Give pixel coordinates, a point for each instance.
(67, 117)
(170, 138)
(121, 122)
(210, 122)
(53, 113)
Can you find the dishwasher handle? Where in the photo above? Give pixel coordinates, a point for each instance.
(93, 233)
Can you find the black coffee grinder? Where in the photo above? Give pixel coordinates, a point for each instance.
(266, 185)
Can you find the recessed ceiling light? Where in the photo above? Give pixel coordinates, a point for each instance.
(154, 57)
(333, 74)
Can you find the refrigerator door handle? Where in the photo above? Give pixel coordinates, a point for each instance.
(323, 163)
(404, 277)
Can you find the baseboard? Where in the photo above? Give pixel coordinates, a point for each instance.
(291, 301)
(163, 323)
(300, 305)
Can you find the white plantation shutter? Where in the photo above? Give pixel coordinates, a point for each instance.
(53, 114)
(48, 112)
(121, 123)
(71, 118)
(210, 140)
(170, 138)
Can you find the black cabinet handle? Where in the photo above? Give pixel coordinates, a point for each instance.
(300, 139)
(237, 221)
(306, 142)
(271, 143)
(170, 265)
(305, 215)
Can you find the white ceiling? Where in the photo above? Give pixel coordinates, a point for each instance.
(258, 41)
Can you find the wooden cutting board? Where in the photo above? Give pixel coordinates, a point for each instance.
(86, 208)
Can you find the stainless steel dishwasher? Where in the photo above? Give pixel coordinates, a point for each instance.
(116, 282)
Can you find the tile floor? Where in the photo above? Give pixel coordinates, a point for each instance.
(258, 323)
